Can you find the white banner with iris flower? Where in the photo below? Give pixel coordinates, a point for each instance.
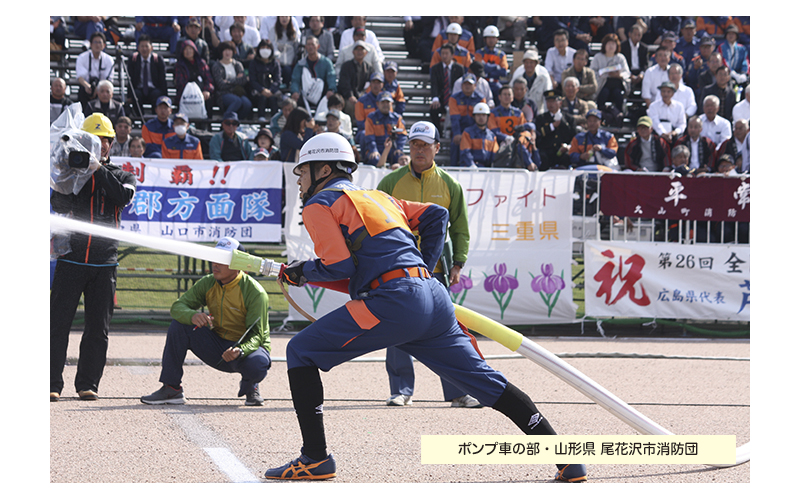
(519, 267)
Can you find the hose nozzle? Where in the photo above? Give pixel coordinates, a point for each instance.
(242, 261)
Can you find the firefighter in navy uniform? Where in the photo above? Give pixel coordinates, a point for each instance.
(366, 237)
(89, 268)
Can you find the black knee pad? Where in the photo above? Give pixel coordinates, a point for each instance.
(518, 407)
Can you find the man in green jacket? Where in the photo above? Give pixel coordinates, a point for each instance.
(233, 336)
(423, 181)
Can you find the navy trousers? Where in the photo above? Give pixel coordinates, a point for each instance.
(400, 368)
(414, 315)
(208, 346)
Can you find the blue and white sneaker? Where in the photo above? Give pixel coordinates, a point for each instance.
(574, 473)
(304, 468)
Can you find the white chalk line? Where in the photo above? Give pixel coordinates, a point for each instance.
(230, 465)
(214, 447)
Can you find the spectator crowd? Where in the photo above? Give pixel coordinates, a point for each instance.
(640, 93)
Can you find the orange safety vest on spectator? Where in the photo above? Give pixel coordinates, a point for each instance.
(466, 40)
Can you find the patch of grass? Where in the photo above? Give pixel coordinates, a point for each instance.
(158, 289)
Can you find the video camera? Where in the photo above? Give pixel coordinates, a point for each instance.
(73, 160)
(396, 131)
(78, 159)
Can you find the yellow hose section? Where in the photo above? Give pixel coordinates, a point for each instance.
(489, 328)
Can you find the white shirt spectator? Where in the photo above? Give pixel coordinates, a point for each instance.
(88, 67)
(636, 64)
(653, 77)
(556, 64)
(739, 145)
(224, 23)
(439, 25)
(667, 118)
(685, 96)
(268, 23)
(347, 40)
(718, 131)
(741, 111)
(371, 58)
(694, 149)
(251, 37)
(541, 84)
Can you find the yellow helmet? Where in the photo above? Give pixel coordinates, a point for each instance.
(99, 124)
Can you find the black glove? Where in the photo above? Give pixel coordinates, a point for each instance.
(293, 273)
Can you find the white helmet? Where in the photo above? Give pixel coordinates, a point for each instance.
(327, 147)
(453, 28)
(331, 147)
(481, 109)
(491, 31)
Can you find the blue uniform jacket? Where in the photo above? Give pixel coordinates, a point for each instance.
(391, 245)
(478, 146)
(378, 127)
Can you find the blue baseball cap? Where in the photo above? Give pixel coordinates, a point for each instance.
(164, 100)
(596, 113)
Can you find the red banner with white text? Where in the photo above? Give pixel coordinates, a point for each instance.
(724, 199)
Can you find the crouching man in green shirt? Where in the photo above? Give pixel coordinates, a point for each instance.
(233, 336)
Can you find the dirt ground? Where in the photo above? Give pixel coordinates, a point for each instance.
(699, 387)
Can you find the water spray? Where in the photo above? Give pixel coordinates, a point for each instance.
(238, 260)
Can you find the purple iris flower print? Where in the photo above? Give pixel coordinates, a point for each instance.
(458, 292)
(548, 286)
(547, 283)
(499, 284)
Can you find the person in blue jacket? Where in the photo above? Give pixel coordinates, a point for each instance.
(478, 143)
(381, 125)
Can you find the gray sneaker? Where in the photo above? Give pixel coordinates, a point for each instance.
(165, 396)
(254, 398)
